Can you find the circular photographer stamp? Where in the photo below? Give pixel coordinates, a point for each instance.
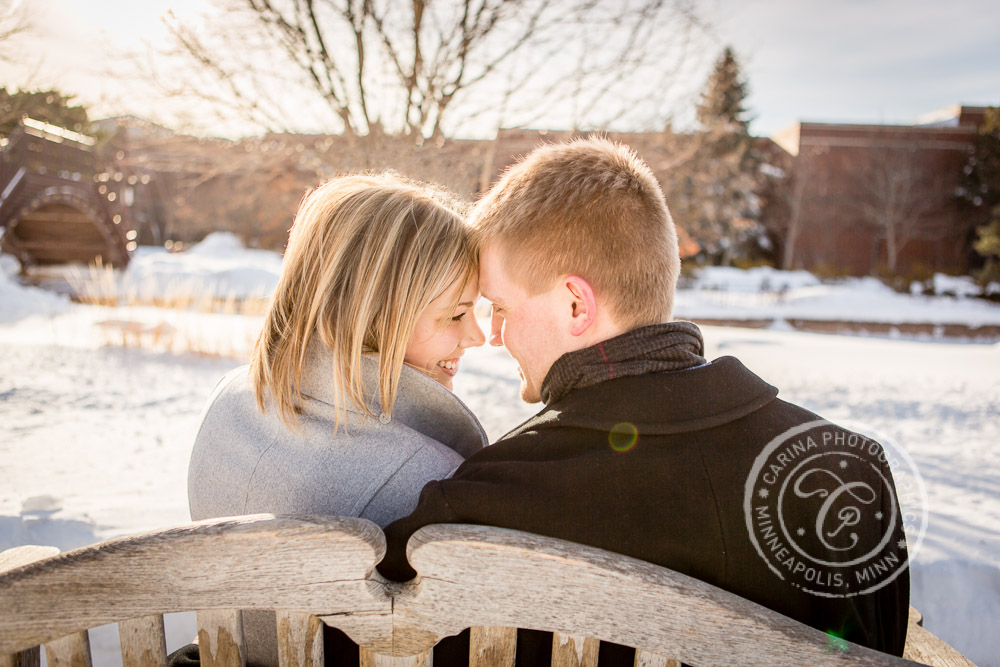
(835, 512)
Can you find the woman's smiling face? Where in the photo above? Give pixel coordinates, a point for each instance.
(442, 333)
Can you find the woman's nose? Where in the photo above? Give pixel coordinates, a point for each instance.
(474, 334)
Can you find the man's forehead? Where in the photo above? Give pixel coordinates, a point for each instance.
(487, 290)
(496, 283)
(492, 277)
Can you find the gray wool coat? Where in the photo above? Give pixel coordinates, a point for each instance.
(245, 461)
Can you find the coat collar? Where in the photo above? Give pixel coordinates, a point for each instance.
(662, 403)
(657, 348)
(421, 403)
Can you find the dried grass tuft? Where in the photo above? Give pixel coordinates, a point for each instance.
(102, 285)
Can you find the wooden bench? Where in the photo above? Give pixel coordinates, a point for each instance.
(315, 570)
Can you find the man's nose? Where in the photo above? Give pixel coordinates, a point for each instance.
(496, 330)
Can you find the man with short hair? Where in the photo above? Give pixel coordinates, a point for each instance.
(644, 447)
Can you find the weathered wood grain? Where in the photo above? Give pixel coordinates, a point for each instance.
(369, 659)
(492, 646)
(220, 638)
(922, 646)
(574, 650)
(143, 641)
(300, 639)
(23, 555)
(30, 657)
(647, 659)
(69, 651)
(321, 570)
(14, 558)
(315, 564)
(476, 575)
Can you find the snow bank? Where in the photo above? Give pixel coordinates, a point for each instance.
(961, 286)
(727, 293)
(19, 301)
(218, 244)
(757, 279)
(219, 267)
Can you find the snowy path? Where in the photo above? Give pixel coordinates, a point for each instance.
(102, 434)
(95, 438)
(94, 442)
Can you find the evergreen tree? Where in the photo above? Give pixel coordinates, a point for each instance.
(981, 178)
(988, 246)
(981, 188)
(721, 106)
(721, 210)
(48, 106)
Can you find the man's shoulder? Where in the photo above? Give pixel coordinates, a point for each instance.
(661, 403)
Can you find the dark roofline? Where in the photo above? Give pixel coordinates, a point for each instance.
(854, 127)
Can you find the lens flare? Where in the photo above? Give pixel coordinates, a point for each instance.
(837, 641)
(623, 436)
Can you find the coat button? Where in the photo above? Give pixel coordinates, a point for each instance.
(384, 418)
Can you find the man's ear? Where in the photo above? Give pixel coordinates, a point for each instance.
(583, 304)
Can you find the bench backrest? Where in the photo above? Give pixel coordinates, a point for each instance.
(315, 570)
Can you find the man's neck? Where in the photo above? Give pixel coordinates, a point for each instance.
(664, 347)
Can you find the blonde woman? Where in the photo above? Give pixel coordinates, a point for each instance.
(344, 408)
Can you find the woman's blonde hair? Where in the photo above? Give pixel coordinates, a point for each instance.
(365, 257)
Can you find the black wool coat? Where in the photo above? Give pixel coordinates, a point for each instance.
(656, 467)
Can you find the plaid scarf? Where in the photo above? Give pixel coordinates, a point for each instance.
(657, 348)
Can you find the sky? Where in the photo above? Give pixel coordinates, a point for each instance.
(861, 61)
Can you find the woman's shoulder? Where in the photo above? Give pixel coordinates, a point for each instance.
(233, 382)
(425, 405)
(371, 466)
(421, 404)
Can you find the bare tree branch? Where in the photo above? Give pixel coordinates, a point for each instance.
(14, 23)
(420, 66)
(900, 194)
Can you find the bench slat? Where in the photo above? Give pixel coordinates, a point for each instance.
(19, 557)
(31, 657)
(320, 564)
(69, 651)
(369, 659)
(574, 650)
(480, 575)
(220, 638)
(143, 641)
(922, 646)
(23, 555)
(489, 578)
(300, 640)
(492, 646)
(647, 659)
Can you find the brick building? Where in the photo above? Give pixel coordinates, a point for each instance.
(868, 199)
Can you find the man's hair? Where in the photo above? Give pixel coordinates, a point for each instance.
(365, 257)
(590, 208)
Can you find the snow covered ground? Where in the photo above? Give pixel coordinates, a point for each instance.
(99, 407)
(766, 293)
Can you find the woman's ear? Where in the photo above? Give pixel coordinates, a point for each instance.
(582, 303)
